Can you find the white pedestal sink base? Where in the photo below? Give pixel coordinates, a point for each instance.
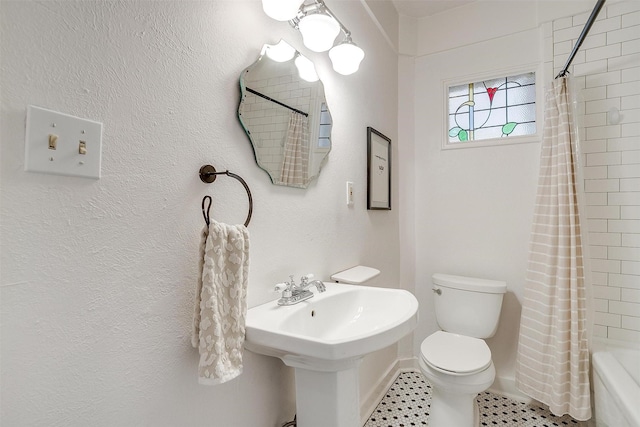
(327, 398)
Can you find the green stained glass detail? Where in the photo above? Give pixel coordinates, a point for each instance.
(508, 128)
(453, 132)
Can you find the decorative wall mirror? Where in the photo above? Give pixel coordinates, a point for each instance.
(284, 112)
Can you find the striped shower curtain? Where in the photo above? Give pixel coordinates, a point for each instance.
(295, 161)
(552, 364)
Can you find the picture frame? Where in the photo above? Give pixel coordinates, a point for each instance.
(378, 170)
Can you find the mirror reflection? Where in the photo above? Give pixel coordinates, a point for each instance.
(285, 114)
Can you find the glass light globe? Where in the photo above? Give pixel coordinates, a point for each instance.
(319, 31)
(346, 58)
(281, 52)
(281, 10)
(306, 69)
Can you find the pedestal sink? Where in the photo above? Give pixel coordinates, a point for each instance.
(325, 338)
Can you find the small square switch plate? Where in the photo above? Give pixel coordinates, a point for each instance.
(72, 137)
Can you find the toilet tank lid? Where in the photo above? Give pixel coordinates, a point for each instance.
(355, 275)
(470, 283)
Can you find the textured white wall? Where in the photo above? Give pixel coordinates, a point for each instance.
(98, 276)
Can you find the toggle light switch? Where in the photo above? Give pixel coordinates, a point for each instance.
(53, 141)
(77, 143)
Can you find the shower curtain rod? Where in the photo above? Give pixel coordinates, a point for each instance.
(268, 98)
(583, 35)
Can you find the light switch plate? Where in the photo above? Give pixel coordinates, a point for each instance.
(72, 135)
(349, 193)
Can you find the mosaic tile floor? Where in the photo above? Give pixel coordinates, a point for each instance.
(408, 400)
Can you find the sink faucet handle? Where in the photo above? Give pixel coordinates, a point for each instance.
(279, 287)
(304, 279)
(285, 288)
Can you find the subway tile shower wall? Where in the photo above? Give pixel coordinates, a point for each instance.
(606, 71)
(269, 122)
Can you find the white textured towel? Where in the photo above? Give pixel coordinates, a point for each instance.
(221, 302)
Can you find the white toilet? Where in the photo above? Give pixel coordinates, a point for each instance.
(456, 360)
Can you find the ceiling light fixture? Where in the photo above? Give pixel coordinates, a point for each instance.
(346, 57)
(319, 31)
(281, 10)
(319, 28)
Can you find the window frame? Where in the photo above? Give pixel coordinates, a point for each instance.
(499, 73)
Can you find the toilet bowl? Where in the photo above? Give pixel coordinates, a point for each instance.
(458, 368)
(456, 360)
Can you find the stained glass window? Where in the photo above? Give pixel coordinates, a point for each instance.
(493, 108)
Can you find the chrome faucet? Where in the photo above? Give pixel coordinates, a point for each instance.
(306, 284)
(293, 294)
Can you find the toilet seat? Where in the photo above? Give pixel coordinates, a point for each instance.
(455, 354)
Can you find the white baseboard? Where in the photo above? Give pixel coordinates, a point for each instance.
(371, 401)
(506, 386)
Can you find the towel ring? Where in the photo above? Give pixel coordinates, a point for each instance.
(208, 174)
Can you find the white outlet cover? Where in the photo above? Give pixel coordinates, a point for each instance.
(66, 158)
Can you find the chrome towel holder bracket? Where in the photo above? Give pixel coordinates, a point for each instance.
(208, 175)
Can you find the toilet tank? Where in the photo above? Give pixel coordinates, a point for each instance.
(467, 305)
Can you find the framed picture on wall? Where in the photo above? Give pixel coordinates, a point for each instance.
(378, 170)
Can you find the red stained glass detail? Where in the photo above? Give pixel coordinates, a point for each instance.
(491, 91)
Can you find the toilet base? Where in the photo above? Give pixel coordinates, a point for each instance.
(453, 399)
(451, 409)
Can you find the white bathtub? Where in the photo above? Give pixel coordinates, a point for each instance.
(616, 382)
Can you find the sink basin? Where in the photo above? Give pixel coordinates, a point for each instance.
(325, 338)
(344, 322)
